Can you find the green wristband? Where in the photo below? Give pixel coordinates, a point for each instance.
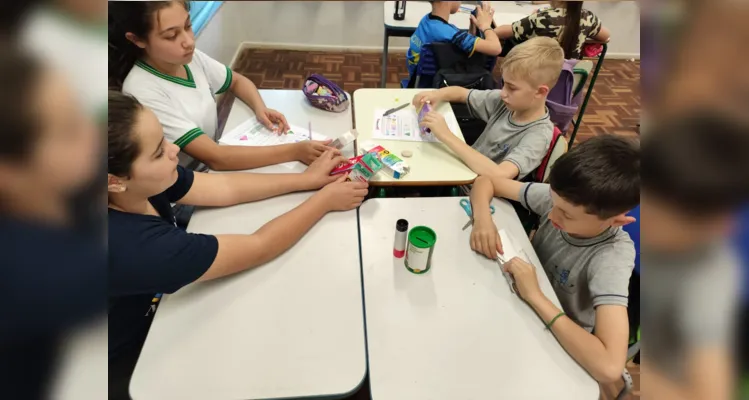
(548, 326)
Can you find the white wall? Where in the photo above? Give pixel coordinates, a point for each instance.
(357, 25)
(622, 18)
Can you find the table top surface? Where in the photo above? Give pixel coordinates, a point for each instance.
(432, 164)
(456, 331)
(299, 316)
(298, 111)
(506, 12)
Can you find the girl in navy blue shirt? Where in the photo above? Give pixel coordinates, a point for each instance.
(150, 255)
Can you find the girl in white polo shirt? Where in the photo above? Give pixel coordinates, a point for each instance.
(152, 56)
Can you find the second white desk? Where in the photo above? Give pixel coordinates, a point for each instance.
(456, 331)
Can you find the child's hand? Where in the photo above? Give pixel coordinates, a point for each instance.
(484, 16)
(485, 238)
(273, 120)
(341, 195)
(431, 97)
(317, 174)
(307, 151)
(436, 123)
(525, 278)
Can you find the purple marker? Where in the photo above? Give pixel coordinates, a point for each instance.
(424, 110)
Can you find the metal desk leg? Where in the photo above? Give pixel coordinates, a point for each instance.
(599, 64)
(384, 71)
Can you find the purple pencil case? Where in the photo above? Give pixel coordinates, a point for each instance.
(324, 94)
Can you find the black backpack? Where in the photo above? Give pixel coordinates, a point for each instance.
(455, 68)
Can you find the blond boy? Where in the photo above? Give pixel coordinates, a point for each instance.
(518, 131)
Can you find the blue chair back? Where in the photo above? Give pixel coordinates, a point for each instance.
(423, 77)
(742, 246)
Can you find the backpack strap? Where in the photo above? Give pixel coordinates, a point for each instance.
(542, 172)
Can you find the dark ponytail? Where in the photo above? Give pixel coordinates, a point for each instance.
(571, 27)
(135, 17)
(122, 148)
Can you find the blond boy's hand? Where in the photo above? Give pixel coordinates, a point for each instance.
(436, 123)
(432, 97)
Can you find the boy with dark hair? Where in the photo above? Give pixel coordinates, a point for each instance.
(435, 28)
(695, 183)
(586, 255)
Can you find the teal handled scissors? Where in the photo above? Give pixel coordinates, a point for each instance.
(467, 207)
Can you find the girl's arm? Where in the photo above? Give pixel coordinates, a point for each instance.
(246, 91)
(603, 35)
(232, 158)
(237, 253)
(221, 190)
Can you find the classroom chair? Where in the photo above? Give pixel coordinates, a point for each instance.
(436, 56)
(633, 310)
(741, 241)
(426, 68)
(590, 50)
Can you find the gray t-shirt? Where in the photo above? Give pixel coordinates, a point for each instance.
(689, 301)
(524, 145)
(585, 273)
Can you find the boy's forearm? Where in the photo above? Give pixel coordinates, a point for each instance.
(491, 36)
(233, 158)
(454, 94)
(482, 193)
(583, 346)
(476, 161)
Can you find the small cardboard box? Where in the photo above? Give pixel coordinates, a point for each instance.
(360, 168)
(392, 164)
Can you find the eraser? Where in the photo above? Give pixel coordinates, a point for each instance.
(407, 153)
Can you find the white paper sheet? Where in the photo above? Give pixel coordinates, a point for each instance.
(402, 125)
(510, 248)
(253, 133)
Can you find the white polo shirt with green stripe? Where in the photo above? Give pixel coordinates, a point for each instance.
(186, 108)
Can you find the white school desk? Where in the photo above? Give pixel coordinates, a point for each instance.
(294, 105)
(456, 331)
(506, 12)
(432, 164)
(291, 328)
(83, 365)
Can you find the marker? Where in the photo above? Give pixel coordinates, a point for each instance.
(392, 110)
(399, 245)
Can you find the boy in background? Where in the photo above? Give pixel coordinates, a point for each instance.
(585, 254)
(518, 129)
(435, 28)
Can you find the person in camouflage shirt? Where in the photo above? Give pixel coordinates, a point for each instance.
(566, 21)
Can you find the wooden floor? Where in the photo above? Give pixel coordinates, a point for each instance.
(614, 106)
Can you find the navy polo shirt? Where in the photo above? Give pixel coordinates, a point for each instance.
(148, 256)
